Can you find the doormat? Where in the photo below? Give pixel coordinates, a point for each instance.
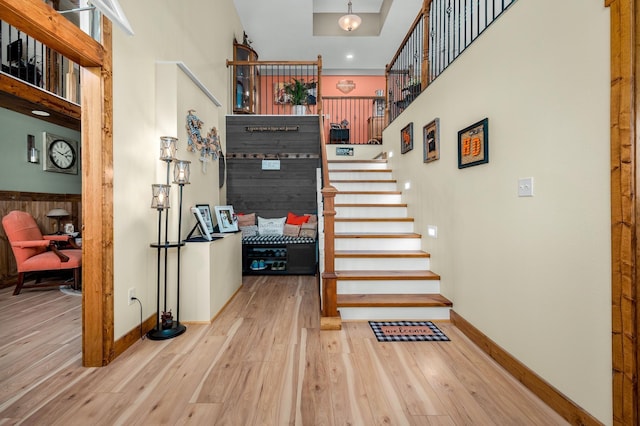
(407, 331)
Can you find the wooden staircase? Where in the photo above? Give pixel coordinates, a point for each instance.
(381, 271)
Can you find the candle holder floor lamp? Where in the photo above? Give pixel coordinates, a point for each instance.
(166, 327)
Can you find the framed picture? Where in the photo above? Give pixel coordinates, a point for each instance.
(202, 222)
(280, 95)
(227, 220)
(473, 144)
(205, 211)
(431, 142)
(406, 138)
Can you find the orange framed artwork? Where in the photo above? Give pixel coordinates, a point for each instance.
(406, 138)
(473, 144)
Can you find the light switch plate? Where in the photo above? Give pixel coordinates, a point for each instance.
(525, 187)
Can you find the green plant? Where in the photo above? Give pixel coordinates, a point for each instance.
(297, 91)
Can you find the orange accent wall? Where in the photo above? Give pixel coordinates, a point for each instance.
(366, 85)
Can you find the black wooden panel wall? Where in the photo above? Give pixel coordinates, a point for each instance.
(295, 141)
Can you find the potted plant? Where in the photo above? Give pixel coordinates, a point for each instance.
(297, 92)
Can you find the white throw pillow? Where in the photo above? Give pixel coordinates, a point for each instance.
(273, 226)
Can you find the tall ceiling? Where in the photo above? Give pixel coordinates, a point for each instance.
(303, 29)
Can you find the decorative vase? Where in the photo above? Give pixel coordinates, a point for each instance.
(298, 109)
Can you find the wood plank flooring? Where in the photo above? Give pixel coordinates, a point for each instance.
(262, 361)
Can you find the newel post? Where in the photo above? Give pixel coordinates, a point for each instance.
(330, 319)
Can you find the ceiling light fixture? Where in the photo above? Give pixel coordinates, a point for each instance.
(349, 22)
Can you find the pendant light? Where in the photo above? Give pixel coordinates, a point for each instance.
(349, 22)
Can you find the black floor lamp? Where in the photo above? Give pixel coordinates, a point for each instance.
(166, 327)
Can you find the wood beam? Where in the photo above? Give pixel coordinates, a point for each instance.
(43, 23)
(21, 97)
(97, 202)
(624, 209)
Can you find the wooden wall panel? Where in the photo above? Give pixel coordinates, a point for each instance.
(272, 193)
(38, 205)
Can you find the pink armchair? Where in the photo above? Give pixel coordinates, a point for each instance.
(37, 254)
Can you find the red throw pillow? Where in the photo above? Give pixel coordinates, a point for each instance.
(293, 219)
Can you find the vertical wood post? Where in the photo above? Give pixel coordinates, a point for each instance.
(425, 76)
(624, 209)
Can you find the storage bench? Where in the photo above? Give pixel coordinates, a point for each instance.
(279, 254)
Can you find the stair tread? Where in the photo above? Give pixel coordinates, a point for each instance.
(377, 235)
(371, 205)
(373, 161)
(374, 219)
(361, 170)
(369, 192)
(392, 300)
(364, 181)
(386, 275)
(382, 253)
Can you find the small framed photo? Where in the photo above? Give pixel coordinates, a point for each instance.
(227, 220)
(406, 138)
(473, 144)
(205, 212)
(431, 142)
(202, 223)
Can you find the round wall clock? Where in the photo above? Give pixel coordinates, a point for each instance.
(61, 154)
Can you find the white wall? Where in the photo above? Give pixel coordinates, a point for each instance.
(152, 100)
(531, 273)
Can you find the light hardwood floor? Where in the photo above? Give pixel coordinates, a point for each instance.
(262, 361)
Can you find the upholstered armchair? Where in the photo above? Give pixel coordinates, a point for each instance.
(37, 255)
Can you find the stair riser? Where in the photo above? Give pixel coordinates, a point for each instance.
(368, 198)
(357, 166)
(377, 212)
(363, 175)
(365, 186)
(355, 227)
(382, 264)
(390, 314)
(389, 287)
(377, 244)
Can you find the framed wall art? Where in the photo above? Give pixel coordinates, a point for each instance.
(280, 96)
(406, 138)
(227, 220)
(473, 144)
(431, 141)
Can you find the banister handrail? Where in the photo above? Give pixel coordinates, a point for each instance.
(329, 308)
(231, 62)
(406, 38)
(439, 34)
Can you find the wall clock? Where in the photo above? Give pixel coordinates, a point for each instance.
(61, 154)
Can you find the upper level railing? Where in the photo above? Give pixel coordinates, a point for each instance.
(25, 58)
(353, 119)
(440, 33)
(275, 87)
(294, 87)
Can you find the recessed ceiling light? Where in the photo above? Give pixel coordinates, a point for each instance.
(40, 113)
(350, 56)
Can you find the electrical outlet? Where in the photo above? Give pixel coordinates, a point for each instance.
(131, 295)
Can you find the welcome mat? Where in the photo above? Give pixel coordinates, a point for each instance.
(407, 331)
